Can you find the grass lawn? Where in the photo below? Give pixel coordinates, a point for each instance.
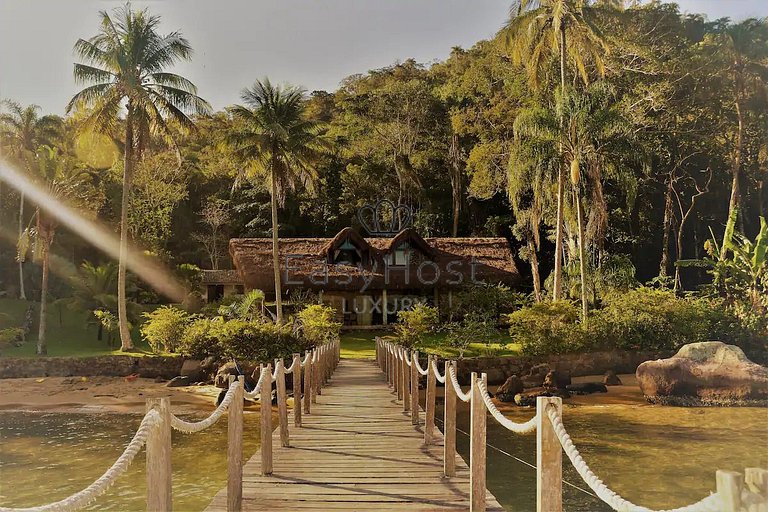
(360, 344)
(68, 333)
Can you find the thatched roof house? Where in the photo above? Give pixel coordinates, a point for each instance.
(348, 267)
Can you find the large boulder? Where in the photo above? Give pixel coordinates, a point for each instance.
(587, 388)
(556, 380)
(707, 373)
(535, 377)
(193, 369)
(179, 381)
(507, 391)
(222, 375)
(611, 379)
(528, 398)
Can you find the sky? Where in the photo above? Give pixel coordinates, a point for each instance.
(312, 43)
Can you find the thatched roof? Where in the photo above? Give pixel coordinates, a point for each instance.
(437, 262)
(221, 277)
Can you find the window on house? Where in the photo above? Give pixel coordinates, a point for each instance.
(347, 253)
(401, 255)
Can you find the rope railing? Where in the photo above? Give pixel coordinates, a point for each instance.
(402, 373)
(154, 432)
(85, 497)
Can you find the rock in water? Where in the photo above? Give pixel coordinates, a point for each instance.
(178, 382)
(535, 377)
(611, 379)
(707, 373)
(507, 391)
(222, 375)
(556, 380)
(193, 369)
(528, 398)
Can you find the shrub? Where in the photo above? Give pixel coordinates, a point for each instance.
(547, 328)
(201, 339)
(470, 330)
(488, 301)
(318, 324)
(164, 328)
(253, 341)
(415, 324)
(11, 335)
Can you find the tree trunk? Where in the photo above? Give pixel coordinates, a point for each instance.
(534, 260)
(736, 169)
(664, 264)
(42, 347)
(582, 259)
(126, 343)
(276, 251)
(455, 182)
(557, 284)
(22, 293)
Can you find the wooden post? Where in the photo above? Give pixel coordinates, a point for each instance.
(729, 485)
(477, 448)
(430, 403)
(308, 385)
(282, 402)
(414, 388)
(316, 369)
(406, 383)
(756, 480)
(398, 373)
(549, 458)
(297, 390)
(449, 422)
(235, 447)
(266, 422)
(159, 486)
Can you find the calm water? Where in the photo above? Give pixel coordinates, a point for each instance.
(46, 457)
(654, 456)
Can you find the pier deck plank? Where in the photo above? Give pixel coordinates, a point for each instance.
(357, 451)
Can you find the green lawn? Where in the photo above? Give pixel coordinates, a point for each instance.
(68, 333)
(360, 344)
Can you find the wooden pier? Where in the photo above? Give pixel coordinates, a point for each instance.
(357, 450)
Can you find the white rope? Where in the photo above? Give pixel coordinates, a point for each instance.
(306, 359)
(419, 368)
(408, 360)
(255, 393)
(100, 486)
(290, 369)
(277, 369)
(464, 397)
(711, 503)
(198, 426)
(518, 428)
(440, 378)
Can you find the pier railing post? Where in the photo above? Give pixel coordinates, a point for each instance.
(430, 403)
(266, 422)
(729, 486)
(477, 447)
(414, 388)
(406, 382)
(308, 384)
(449, 422)
(282, 402)
(296, 390)
(316, 370)
(159, 486)
(398, 372)
(235, 448)
(549, 458)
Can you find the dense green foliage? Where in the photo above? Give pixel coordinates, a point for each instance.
(164, 328)
(414, 324)
(318, 324)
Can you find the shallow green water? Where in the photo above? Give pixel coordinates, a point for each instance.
(47, 457)
(658, 457)
(654, 456)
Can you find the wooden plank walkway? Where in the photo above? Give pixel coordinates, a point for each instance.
(357, 451)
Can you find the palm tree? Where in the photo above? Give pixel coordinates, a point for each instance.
(280, 144)
(538, 29)
(22, 131)
(63, 180)
(94, 288)
(744, 49)
(125, 66)
(596, 142)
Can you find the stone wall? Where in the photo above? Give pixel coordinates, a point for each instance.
(578, 365)
(112, 366)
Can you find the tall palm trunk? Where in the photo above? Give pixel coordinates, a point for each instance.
(22, 293)
(276, 249)
(42, 347)
(582, 257)
(664, 264)
(557, 285)
(126, 343)
(534, 260)
(736, 168)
